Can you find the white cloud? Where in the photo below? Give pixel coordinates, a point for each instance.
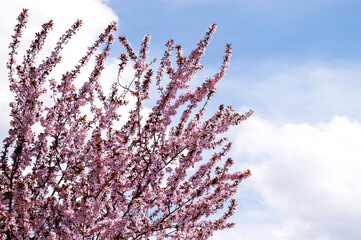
(308, 91)
(305, 177)
(95, 15)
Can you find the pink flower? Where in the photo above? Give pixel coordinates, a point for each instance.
(84, 176)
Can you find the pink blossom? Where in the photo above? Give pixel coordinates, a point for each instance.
(86, 177)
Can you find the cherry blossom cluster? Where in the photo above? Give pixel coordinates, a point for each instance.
(86, 176)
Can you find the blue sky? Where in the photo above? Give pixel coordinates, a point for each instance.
(296, 63)
(268, 38)
(258, 29)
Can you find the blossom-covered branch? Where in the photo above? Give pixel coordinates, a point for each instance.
(89, 177)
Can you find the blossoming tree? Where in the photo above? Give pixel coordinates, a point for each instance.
(90, 177)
